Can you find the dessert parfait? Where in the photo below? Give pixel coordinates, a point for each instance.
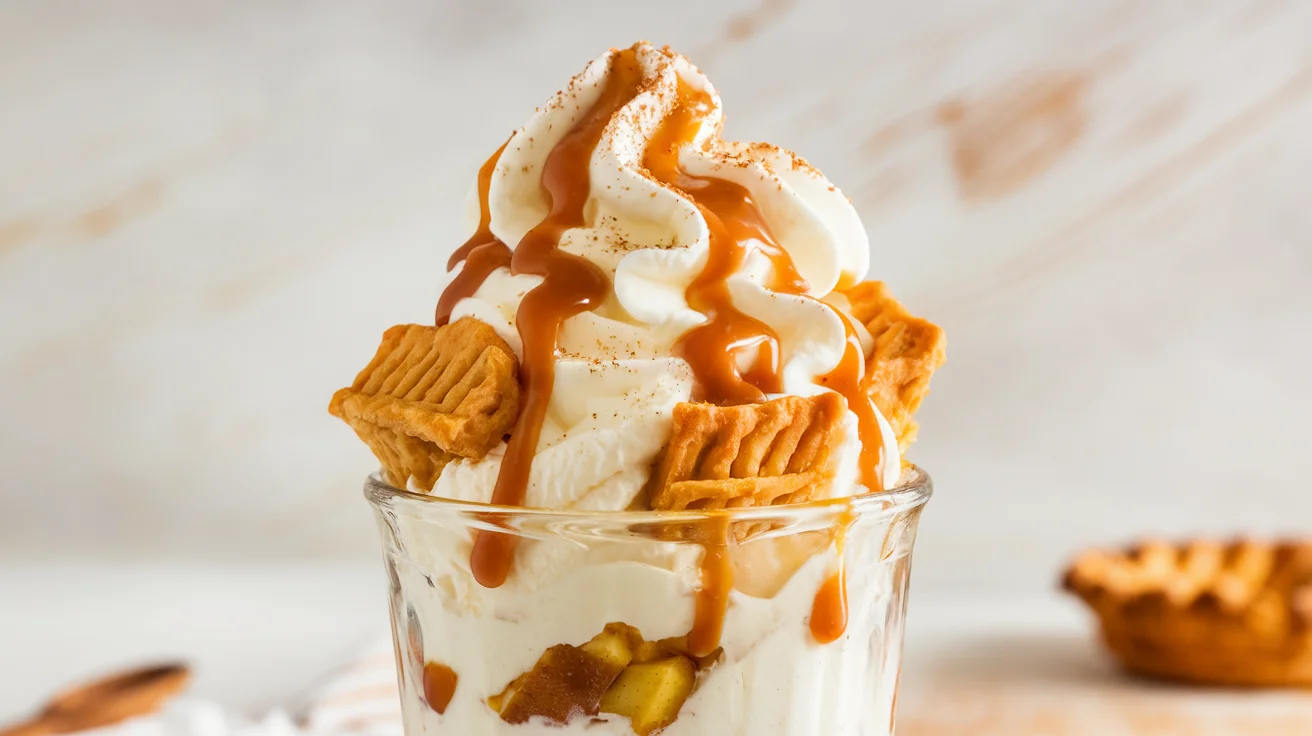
(644, 471)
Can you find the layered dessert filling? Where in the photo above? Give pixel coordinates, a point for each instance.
(647, 317)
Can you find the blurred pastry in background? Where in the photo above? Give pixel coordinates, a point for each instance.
(1235, 613)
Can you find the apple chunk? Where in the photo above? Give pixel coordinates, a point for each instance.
(566, 681)
(614, 645)
(651, 694)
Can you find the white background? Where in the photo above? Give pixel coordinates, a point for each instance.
(210, 211)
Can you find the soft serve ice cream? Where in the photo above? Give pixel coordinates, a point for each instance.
(647, 317)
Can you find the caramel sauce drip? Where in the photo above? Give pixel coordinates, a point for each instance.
(829, 609)
(736, 227)
(571, 285)
(712, 600)
(439, 686)
(482, 254)
(849, 379)
(714, 348)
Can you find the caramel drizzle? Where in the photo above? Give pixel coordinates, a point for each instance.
(737, 227)
(439, 683)
(716, 581)
(571, 284)
(829, 609)
(482, 254)
(849, 379)
(714, 348)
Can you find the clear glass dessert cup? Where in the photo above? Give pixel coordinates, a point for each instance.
(540, 653)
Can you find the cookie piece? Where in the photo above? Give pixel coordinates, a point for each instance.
(1226, 613)
(432, 394)
(774, 452)
(907, 351)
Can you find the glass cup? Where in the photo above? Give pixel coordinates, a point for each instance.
(607, 623)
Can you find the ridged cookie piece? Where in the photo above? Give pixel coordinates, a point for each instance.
(432, 394)
(778, 451)
(1233, 613)
(907, 351)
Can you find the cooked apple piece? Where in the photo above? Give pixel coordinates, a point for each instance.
(498, 701)
(614, 645)
(566, 681)
(650, 695)
(649, 651)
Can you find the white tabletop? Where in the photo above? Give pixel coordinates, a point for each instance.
(257, 636)
(264, 636)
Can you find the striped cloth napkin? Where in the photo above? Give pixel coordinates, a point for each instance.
(360, 699)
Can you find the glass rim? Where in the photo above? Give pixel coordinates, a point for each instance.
(913, 491)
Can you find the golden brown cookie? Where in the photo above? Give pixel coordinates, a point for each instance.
(907, 352)
(778, 451)
(1226, 613)
(431, 394)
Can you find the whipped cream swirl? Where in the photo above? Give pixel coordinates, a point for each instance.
(617, 379)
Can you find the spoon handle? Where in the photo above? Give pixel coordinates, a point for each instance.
(39, 726)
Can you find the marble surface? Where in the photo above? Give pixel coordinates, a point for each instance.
(210, 211)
